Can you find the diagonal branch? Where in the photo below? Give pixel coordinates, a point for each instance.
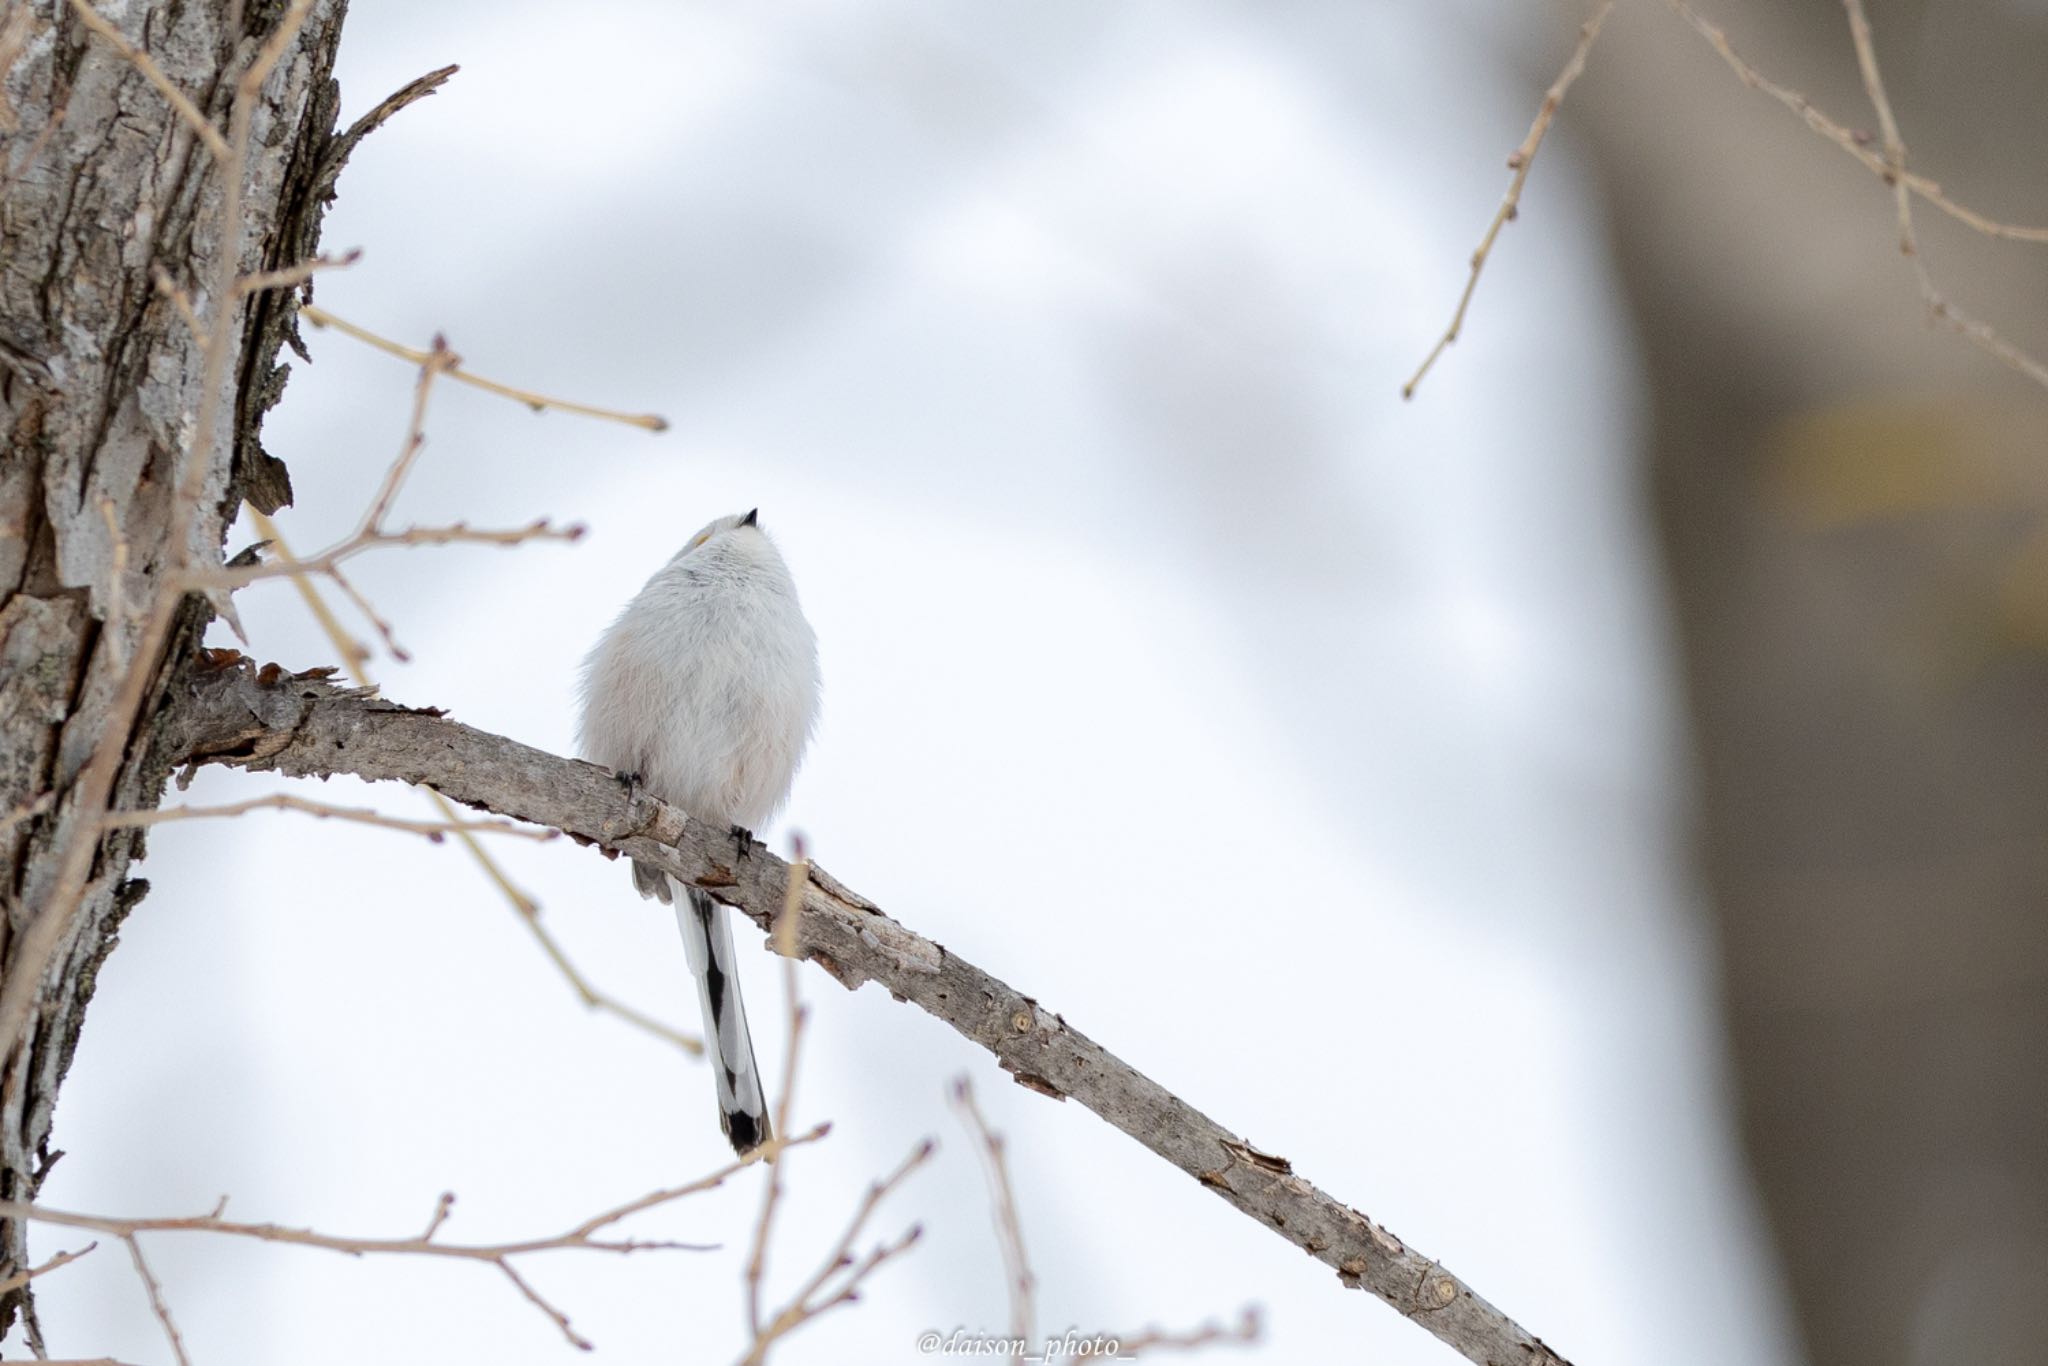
(306, 727)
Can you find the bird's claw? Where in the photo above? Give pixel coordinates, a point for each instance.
(742, 840)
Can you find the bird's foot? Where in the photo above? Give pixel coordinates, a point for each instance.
(742, 840)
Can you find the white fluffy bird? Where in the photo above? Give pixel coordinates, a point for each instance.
(704, 692)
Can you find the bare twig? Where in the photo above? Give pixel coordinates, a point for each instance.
(292, 276)
(540, 403)
(437, 362)
(157, 1304)
(285, 801)
(1003, 1203)
(324, 562)
(28, 810)
(92, 790)
(22, 1278)
(822, 1293)
(1847, 139)
(587, 1236)
(356, 661)
(298, 727)
(1890, 167)
(14, 35)
(1244, 1332)
(371, 533)
(355, 656)
(117, 585)
(1519, 161)
(364, 606)
(771, 1192)
(180, 301)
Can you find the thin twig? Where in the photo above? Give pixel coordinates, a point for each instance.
(1519, 162)
(435, 831)
(584, 1236)
(28, 810)
(117, 586)
(820, 1294)
(771, 1194)
(14, 36)
(157, 1304)
(1244, 1333)
(320, 317)
(291, 277)
(92, 790)
(356, 661)
(355, 656)
(1003, 1206)
(22, 1278)
(323, 563)
(363, 605)
(1855, 144)
(180, 301)
(437, 362)
(1890, 167)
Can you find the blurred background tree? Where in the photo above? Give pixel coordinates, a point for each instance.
(1852, 506)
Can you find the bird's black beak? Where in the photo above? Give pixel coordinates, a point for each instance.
(751, 519)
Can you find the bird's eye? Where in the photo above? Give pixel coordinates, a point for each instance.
(700, 540)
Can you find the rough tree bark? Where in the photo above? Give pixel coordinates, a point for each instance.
(105, 188)
(102, 185)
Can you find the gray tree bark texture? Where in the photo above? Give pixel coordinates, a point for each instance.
(102, 186)
(228, 712)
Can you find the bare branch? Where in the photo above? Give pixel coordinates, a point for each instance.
(28, 810)
(291, 277)
(92, 789)
(1519, 161)
(181, 301)
(785, 944)
(1003, 1203)
(22, 1278)
(157, 1305)
(1244, 1333)
(436, 363)
(355, 656)
(540, 403)
(324, 563)
(356, 663)
(820, 1294)
(583, 1237)
(1890, 167)
(1848, 140)
(304, 727)
(285, 801)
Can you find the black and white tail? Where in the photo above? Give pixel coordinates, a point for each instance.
(707, 940)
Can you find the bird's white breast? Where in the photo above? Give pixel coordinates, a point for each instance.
(706, 687)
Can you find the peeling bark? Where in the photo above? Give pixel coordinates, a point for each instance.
(101, 186)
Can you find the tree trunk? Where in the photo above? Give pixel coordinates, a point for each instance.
(1873, 818)
(103, 186)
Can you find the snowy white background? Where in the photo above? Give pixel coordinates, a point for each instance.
(1315, 752)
